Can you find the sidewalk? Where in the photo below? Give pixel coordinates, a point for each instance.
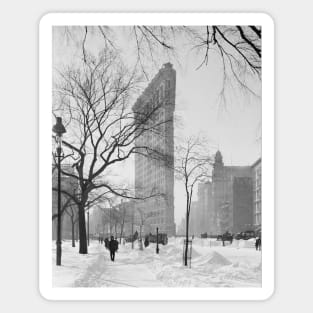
(124, 272)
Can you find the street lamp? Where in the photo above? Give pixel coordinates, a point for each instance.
(59, 130)
(157, 241)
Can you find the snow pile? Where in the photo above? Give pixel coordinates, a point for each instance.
(194, 253)
(173, 253)
(180, 276)
(258, 268)
(73, 265)
(244, 243)
(211, 266)
(217, 259)
(240, 273)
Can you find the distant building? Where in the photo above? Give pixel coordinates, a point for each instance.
(232, 194)
(194, 219)
(231, 202)
(99, 221)
(205, 204)
(70, 185)
(257, 192)
(242, 204)
(107, 221)
(181, 229)
(130, 216)
(151, 175)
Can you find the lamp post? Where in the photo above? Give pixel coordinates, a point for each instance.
(59, 130)
(157, 241)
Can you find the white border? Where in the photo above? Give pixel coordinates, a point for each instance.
(45, 126)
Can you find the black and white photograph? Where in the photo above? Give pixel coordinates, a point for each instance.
(156, 148)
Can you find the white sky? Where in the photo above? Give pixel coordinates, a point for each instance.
(233, 128)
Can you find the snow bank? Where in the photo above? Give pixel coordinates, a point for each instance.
(73, 265)
(217, 259)
(194, 253)
(244, 243)
(211, 266)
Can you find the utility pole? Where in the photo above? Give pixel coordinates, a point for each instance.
(59, 242)
(59, 130)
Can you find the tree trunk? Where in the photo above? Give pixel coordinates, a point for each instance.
(73, 234)
(83, 247)
(76, 232)
(132, 237)
(122, 228)
(187, 237)
(187, 223)
(110, 225)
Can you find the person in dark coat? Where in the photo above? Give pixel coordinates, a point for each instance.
(258, 243)
(113, 247)
(146, 242)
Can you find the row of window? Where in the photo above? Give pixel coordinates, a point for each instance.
(258, 218)
(162, 91)
(258, 207)
(258, 194)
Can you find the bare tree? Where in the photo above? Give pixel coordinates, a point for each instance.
(192, 166)
(72, 212)
(94, 93)
(239, 47)
(65, 205)
(105, 218)
(69, 185)
(125, 217)
(94, 98)
(142, 220)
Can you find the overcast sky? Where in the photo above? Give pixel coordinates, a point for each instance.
(232, 127)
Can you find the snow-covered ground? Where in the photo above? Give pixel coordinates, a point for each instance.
(236, 265)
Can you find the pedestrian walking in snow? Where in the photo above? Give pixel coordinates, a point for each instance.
(146, 242)
(258, 243)
(113, 247)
